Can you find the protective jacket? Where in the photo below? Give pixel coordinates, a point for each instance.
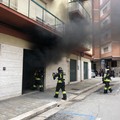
(60, 76)
(60, 84)
(38, 80)
(107, 80)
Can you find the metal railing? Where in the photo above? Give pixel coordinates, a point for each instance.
(104, 3)
(35, 11)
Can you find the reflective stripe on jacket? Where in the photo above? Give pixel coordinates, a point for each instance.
(37, 78)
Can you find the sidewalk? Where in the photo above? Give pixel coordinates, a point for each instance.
(16, 106)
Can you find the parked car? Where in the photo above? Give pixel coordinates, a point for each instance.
(93, 74)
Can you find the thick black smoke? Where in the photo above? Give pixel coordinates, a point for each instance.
(115, 19)
(108, 26)
(49, 48)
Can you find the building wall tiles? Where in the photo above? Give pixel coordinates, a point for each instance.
(49, 82)
(96, 52)
(11, 63)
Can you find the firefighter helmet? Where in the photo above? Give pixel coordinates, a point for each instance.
(59, 69)
(107, 70)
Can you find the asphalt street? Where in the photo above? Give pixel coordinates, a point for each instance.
(97, 106)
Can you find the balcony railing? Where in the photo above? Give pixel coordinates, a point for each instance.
(105, 15)
(104, 3)
(35, 11)
(77, 6)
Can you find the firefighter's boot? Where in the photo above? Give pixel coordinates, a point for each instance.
(105, 91)
(64, 97)
(110, 90)
(56, 96)
(41, 88)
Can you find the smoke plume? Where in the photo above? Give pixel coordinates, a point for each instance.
(49, 48)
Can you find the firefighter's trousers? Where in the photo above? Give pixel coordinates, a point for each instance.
(38, 84)
(107, 87)
(62, 87)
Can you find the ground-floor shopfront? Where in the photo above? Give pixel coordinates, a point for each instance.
(17, 68)
(113, 64)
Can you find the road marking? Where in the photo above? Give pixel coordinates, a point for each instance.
(90, 117)
(98, 118)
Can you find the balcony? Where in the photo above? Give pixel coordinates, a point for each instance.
(105, 28)
(21, 13)
(76, 9)
(104, 3)
(105, 15)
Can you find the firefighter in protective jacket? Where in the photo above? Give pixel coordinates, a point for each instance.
(107, 79)
(60, 83)
(38, 80)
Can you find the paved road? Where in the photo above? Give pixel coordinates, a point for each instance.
(97, 106)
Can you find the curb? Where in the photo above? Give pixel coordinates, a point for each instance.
(86, 89)
(87, 93)
(62, 104)
(79, 92)
(35, 112)
(45, 108)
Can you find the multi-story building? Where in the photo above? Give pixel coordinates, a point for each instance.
(106, 50)
(26, 23)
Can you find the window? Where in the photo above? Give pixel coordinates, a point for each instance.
(114, 64)
(105, 49)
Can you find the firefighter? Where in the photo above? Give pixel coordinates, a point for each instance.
(107, 79)
(38, 80)
(60, 83)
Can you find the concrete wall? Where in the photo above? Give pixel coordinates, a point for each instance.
(53, 68)
(65, 64)
(11, 65)
(80, 67)
(10, 40)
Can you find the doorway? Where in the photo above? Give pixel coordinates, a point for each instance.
(73, 70)
(30, 64)
(85, 70)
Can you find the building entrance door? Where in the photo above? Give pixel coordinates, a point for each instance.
(85, 70)
(30, 64)
(73, 70)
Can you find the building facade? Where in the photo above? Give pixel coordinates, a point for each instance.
(17, 62)
(106, 50)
